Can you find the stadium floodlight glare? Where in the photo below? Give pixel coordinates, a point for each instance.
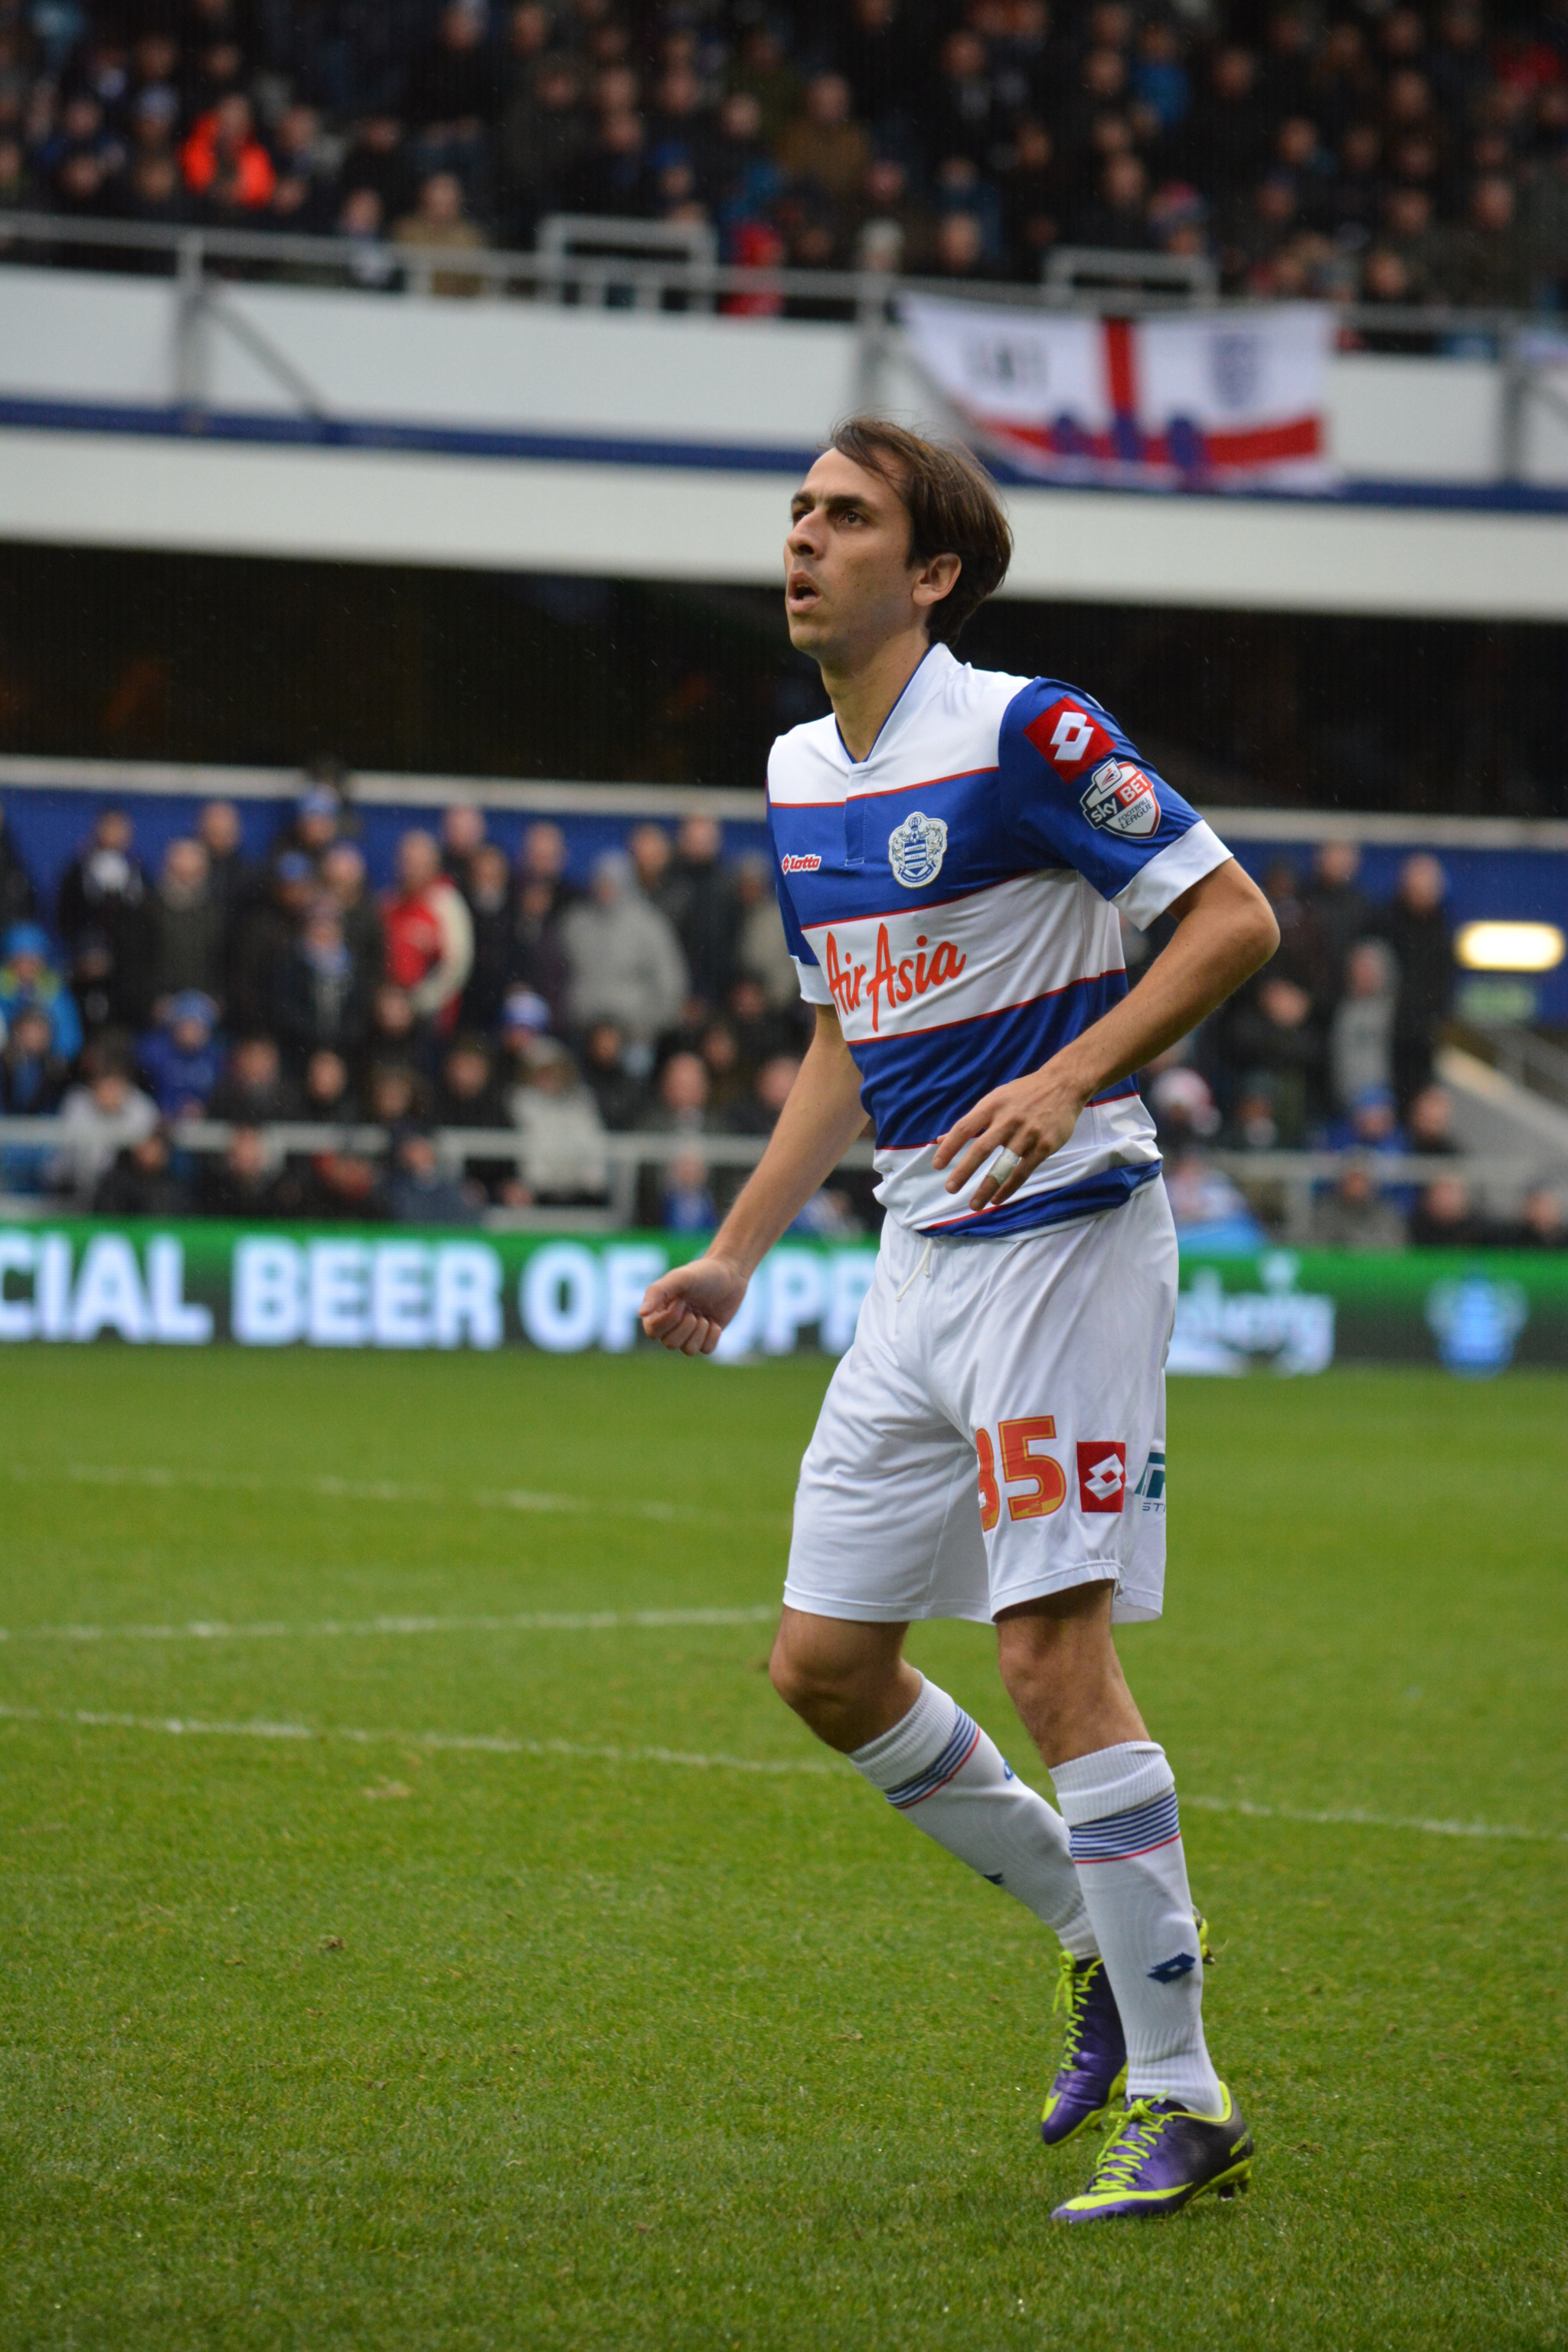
(1510, 947)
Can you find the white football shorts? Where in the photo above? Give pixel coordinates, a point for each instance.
(997, 1429)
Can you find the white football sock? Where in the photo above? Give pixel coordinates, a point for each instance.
(948, 1777)
(1121, 1806)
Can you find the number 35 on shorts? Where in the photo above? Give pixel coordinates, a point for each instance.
(1039, 1478)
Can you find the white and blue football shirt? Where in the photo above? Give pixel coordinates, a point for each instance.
(954, 895)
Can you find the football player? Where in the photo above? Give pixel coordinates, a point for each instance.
(954, 848)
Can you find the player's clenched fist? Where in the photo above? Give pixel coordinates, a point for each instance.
(687, 1309)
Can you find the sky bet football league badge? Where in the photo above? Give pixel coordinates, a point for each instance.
(1121, 798)
(916, 849)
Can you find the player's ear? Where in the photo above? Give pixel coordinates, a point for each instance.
(937, 579)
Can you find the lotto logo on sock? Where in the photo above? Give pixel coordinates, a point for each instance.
(1101, 1475)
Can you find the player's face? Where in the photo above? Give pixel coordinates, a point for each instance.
(848, 581)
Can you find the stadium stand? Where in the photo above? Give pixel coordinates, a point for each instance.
(1388, 154)
(502, 1028)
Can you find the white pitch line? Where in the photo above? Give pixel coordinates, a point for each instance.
(387, 1490)
(498, 1744)
(1355, 1817)
(486, 1744)
(542, 1621)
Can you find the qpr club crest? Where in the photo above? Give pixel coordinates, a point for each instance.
(1121, 798)
(916, 849)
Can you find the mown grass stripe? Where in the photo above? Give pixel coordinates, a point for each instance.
(502, 1744)
(333, 1488)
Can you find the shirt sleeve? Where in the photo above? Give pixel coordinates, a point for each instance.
(814, 986)
(1075, 792)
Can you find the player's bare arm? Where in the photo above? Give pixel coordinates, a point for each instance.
(689, 1308)
(1226, 930)
(855, 602)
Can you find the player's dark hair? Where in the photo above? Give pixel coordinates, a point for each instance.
(954, 510)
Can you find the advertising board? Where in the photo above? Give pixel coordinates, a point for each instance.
(196, 1283)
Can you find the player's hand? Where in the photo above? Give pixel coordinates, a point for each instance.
(688, 1308)
(1033, 1116)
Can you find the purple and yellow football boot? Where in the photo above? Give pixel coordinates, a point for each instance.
(1092, 2071)
(1159, 2156)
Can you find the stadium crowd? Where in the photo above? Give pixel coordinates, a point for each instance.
(1389, 152)
(1332, 1046)
(485, 989)
(476, 991)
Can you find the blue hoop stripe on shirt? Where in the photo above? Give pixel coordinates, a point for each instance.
(1026, 1211)
(960, 1748)
(912, 1081)
(1120, 1836)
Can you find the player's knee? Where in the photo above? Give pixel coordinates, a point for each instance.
(805, 1676)
(822, 1671)
(1045, 1658)
(787, 1674)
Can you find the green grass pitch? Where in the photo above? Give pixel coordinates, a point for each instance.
(437, 1993)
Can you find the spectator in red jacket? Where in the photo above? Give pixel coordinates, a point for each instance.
(224, 161)
(429, 932)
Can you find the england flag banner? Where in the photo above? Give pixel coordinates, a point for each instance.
(1182, 400)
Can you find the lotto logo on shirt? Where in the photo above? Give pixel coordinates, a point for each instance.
(793, 865)
(1067, 736)
(1101, 1475)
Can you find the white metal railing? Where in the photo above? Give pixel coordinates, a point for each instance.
(602, 245)
(1087, 269)
(736, 803)
(1294, 1177)
(625, 1156)
(1519, 1053)
(456, 1144)
(592, 261)
(1287, 1183)
(194, 252)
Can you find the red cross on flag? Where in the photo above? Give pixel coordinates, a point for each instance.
(1182, 400)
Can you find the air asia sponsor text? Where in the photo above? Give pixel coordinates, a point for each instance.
(890, 984)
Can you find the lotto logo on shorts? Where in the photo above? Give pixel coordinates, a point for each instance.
(1101, 1475)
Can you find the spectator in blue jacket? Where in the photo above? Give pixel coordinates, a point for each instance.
(32, 1075)
(32, 1081)
(1372, 1124)
(420, 1192)
(27, 976)
(180, 1060)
